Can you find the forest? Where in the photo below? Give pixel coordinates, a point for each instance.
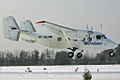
(50, 57)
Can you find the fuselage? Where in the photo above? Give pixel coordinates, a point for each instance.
(79, 39)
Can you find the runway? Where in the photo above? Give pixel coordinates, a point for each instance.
(106, 72)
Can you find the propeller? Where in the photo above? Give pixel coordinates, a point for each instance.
(89, 33)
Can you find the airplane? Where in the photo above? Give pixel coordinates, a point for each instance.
(59, 37)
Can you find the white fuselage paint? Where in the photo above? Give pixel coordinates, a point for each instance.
(78, 39)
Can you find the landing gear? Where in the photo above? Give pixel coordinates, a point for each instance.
(70, 54)
(79, 55)
(112, 54)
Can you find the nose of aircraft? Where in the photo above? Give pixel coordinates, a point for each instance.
(111, 44)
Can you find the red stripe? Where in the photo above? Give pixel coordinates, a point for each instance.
(40, 22)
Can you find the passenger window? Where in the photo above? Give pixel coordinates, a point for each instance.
(98, 37)
(59, 38)
(39, 36)
(45, 37)
(49, 36)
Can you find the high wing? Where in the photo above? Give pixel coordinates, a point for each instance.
(55, 27)
(60, 30)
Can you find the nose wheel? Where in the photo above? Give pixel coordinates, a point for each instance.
(112, 54)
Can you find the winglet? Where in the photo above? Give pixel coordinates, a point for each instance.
(40, 22)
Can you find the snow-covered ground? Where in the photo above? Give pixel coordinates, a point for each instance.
(99, 72)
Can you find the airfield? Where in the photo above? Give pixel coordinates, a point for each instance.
(99, 72)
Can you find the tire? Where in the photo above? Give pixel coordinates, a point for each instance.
(79, 55)
(70, 54)
(112, 54)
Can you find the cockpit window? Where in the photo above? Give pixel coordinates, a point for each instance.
(101, 37)
(104, 37)
(98, 36)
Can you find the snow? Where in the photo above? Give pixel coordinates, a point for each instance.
(99, 72)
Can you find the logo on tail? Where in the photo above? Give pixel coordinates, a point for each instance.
(13, 27)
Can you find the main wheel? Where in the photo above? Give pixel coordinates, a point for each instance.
(79, 55)
(70, 54)
(112, 54)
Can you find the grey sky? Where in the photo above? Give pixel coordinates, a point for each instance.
(72, 13)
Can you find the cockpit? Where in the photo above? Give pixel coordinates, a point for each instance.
(99, 37)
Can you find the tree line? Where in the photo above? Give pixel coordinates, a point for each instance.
(49, 57)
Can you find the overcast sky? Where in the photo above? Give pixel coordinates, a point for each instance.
(71, 13)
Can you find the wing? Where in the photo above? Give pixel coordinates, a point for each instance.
(60, 30)
(55, 27)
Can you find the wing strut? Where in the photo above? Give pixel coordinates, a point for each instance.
(66, 39)
(70, 46)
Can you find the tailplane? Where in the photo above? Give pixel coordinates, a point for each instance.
(27, 26)
(11, 28)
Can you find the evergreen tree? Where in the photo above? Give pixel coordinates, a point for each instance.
(35, 57)
(62, 58)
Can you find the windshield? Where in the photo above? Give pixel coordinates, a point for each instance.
(104, 37)
(101, 37)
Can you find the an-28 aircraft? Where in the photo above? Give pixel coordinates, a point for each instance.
(60, 37)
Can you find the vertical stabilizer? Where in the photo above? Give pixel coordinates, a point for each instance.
(27, 26)
(11, 28)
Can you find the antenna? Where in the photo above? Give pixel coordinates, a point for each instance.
(87, 27)
(92, 28)
(101, 27)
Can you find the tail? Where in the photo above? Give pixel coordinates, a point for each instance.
(11, 28)
(27, 26)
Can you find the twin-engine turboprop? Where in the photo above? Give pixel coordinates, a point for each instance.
(60, 37)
